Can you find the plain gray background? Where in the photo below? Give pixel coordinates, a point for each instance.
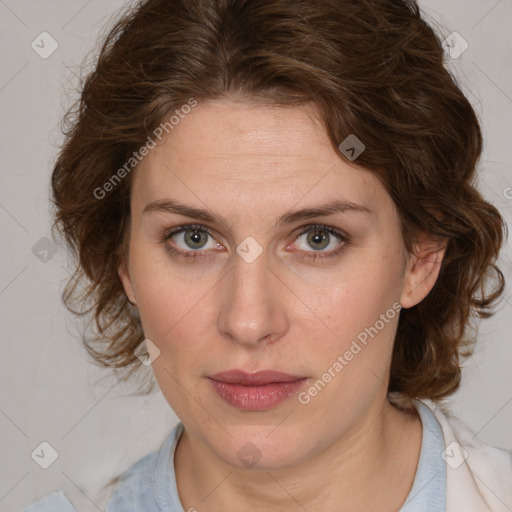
(49, 391)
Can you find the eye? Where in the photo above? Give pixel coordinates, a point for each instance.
(320, 237)
(190, 241)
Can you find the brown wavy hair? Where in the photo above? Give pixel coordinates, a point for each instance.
(373, 68)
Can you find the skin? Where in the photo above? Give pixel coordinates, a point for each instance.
(252, 163)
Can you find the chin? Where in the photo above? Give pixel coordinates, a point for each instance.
(268, 448)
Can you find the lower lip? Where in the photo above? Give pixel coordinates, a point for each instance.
(256, 398)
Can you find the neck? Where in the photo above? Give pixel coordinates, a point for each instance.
(373, 463)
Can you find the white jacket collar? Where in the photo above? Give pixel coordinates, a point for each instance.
(479, 477)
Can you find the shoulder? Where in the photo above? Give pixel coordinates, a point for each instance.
(55, 502)
(476, 472)
(146, 485)
(135, 487)
(134, 492)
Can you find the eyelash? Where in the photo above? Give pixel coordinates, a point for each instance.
(308, 256)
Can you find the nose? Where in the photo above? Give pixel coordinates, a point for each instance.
(252, 304)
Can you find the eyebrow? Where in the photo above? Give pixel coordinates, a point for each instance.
(169, 205)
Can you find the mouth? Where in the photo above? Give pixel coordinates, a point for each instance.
(256, 391)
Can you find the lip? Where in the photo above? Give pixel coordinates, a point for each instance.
(255, 391)
(259, 378)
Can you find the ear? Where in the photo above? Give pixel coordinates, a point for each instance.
(124, 275)
(422, 269)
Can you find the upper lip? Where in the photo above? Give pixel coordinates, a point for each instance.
(254, 379)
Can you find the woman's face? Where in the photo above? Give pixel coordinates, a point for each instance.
(243, 290)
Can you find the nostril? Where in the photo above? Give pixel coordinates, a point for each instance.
(267, 339)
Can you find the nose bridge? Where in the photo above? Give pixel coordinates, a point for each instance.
(250, 311)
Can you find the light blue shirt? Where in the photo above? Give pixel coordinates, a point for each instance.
(149, 485)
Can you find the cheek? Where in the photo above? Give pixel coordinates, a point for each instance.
(362, 312)
(362, 325)
(170, 316)
(366, 285)
(162, 294)
(352, 363)
(175, 310)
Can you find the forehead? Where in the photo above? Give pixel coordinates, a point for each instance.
(251, 153)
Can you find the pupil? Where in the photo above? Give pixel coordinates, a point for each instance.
(318, 238)
(194, 236)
